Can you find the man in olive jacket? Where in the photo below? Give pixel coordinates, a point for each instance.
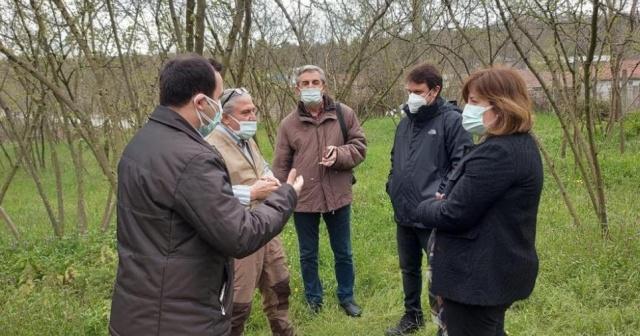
(178, 220)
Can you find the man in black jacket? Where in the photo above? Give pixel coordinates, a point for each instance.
(428, 144)
(178, 220)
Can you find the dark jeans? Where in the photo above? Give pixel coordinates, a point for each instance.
(411, 244)
(469, 320)
(339, 227)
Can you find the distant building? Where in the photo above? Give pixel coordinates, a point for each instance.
(629, 83)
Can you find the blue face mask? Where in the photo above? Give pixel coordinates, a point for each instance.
(311, 96)
(247, 128)
(472, 118)
(211, 124)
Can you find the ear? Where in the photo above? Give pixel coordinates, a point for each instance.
(199, 101)
(437, 89)
(296, 89)
(224, 119)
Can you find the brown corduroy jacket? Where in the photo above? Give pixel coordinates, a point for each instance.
(301, 142)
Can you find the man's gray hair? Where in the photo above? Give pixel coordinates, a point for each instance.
(228, 98)
(310, 68)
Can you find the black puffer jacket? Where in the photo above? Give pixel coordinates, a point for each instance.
(178, 226)
(426, 148)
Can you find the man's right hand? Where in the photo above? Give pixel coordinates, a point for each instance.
(262, 189)
(295, 181)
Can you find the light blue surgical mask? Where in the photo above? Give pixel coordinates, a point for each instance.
(247, 128)
(311, 96)
(205, 129)
(472, 118)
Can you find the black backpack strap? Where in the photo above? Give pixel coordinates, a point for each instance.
(343, 127)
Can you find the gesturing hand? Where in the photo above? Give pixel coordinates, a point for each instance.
(262, 189)
(270, 178)
(295, 180)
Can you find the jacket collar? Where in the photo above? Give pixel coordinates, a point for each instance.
(426, 112)
(171, 118)
(328, 112)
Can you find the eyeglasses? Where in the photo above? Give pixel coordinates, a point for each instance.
(238, 91)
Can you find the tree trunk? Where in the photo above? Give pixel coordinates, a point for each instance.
(189, 24)
(593, 152)
(55, 162)
(131, 91)
(554, 172)
(573, 122)
(233, 36)
(177, 28)
(353, 70)
(244, 52)
(12, 227)
(31, 166)
(199, 38)
(82, 213)
(108, 211)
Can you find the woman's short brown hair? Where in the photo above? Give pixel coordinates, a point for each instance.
(506, 91)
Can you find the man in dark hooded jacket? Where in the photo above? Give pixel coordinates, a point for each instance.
(428, 144)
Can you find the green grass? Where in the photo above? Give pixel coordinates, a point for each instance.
(586, 286)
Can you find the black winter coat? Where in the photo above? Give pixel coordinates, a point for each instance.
(178, 226)
(426, 148)
(486, 226)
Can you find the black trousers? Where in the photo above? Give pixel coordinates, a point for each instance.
(469, 320)
(411, 244)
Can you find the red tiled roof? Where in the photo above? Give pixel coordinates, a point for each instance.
(632, 68)
(532, 81)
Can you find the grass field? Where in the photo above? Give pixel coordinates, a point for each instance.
(587, 285)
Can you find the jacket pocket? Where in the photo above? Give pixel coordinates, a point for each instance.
(457, 251)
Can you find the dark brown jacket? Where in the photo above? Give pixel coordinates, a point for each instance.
(178, 226)
(301, 142)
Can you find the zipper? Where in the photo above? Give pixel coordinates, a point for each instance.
(224, 287)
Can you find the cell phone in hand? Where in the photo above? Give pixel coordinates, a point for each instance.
(328, 151)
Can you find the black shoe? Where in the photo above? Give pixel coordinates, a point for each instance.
(409, 323)
(351, 308)
(315, 307)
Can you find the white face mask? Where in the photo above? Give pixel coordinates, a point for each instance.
(247, 128)
(211, 124)
(311, 96)
(415, 102)
(472, 118)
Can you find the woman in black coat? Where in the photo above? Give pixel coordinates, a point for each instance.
(484, 255)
